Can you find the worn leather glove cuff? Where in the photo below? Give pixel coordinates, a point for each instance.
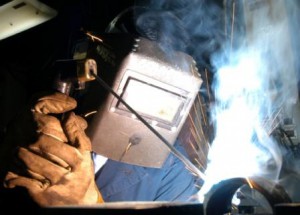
(100, 199)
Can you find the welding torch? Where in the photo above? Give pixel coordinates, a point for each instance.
(73, 74)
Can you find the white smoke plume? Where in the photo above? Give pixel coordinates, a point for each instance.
(251, 48)
(254, 88)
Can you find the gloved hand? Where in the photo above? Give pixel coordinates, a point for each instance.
(59, 168)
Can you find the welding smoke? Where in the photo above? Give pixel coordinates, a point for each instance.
(251, 49)
(255, 84)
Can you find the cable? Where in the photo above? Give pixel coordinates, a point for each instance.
(112, 27)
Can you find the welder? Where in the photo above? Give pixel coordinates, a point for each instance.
(59, 164)
(56, 165)
(60, 170)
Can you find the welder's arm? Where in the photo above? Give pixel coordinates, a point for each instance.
(58, 166)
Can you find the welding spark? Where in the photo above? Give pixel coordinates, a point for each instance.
(90, 113)
(249, 182)
(93, 37)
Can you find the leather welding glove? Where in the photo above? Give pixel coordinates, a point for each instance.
(59, 168)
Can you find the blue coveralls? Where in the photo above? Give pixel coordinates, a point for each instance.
(125, 182)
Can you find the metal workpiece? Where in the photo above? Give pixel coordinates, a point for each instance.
(219, 200)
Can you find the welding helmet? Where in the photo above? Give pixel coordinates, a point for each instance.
(147, 78)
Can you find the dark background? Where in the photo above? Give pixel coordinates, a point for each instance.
(26, 58)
